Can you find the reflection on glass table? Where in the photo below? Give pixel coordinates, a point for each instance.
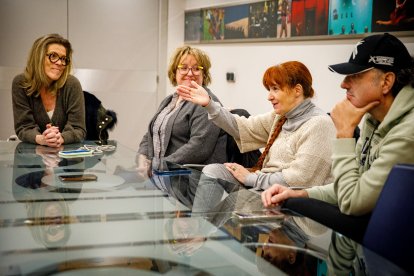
(132, 221)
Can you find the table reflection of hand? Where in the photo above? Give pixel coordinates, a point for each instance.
(50, 156)
(187, 237)
(143, 166)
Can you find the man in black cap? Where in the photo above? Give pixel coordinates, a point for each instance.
(379, 83)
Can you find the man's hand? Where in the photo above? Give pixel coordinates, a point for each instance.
(277, 193)
(346, 117)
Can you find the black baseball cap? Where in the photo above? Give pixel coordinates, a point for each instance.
(382, 51)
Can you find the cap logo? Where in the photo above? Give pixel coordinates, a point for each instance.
(380, 60)
(355, 51)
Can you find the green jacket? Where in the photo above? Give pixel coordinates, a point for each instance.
(358, 184)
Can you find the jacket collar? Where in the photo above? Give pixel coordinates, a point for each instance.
(403, 103)
(301, 114)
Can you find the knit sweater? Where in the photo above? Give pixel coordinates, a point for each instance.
(301, 154)
(31, 118)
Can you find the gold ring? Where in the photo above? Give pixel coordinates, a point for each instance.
(233, 168)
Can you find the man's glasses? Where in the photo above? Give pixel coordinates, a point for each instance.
(184, 69)
(54, 57)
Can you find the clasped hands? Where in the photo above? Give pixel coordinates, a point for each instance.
(51, 137)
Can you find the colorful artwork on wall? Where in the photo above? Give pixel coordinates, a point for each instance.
(193, 26)
(393, 15)
(213, 20)
(263, 19)
(310, 17)
(285, 19)
(349, 17)
(236, 22)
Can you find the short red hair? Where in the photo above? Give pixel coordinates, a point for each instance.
(288, 75)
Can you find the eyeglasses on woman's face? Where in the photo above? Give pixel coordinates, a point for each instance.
(54, 58)
(184, 69)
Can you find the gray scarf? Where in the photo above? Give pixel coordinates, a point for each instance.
(301, 114)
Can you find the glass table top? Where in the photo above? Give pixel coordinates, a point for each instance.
(171, 223)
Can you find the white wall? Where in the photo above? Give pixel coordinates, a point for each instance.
(117, 55)
(117, 59)
(20, 25)
(249, 61)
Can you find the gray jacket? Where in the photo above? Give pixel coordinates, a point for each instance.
(190, 137)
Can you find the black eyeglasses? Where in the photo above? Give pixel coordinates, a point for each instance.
(54, 57)
(184, 69)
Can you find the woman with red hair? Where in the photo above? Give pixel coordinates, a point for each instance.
(296, 134)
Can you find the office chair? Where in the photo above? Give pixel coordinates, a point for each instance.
(99, 121)
(390, 231)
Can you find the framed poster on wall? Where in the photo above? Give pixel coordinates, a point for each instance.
(309, 17)
(236, 22)
(392, 15)
(349, 17)
(276, 20)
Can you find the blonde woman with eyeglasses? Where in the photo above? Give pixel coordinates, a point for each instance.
(48, 103)
(180, 131)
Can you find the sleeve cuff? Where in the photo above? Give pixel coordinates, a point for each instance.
(344, 145)
(314, 192)
(213, 109)
(251, 180)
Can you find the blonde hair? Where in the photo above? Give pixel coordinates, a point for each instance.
(202, 60)
(35, 75)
